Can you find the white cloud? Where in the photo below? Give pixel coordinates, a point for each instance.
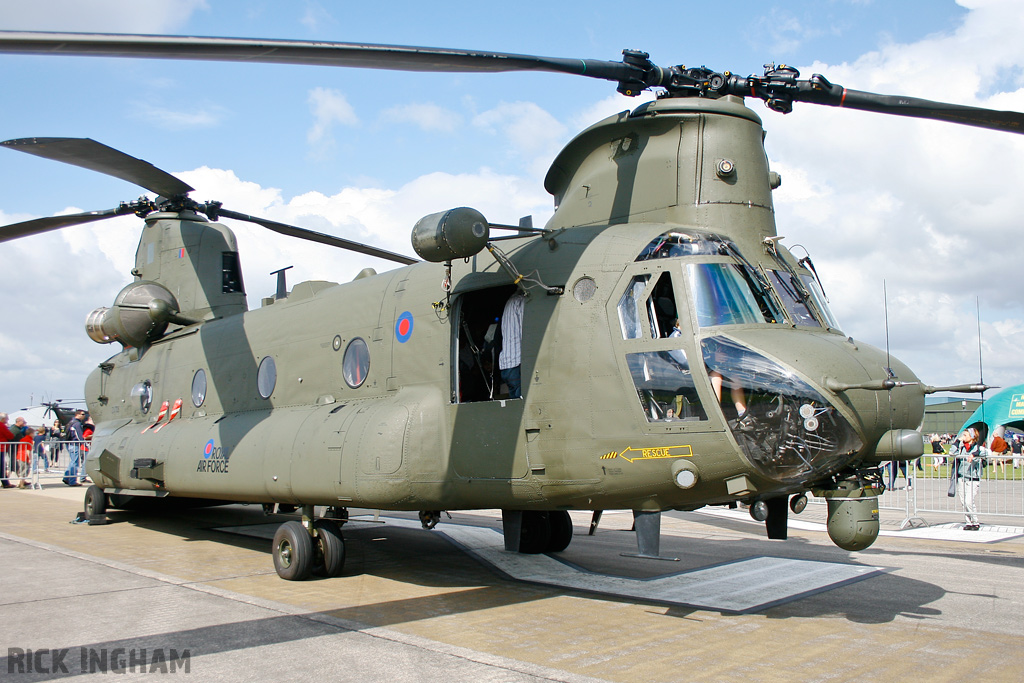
(425, 116)
(315, 16)
(107, 16)
(202, 116)
(531, 132)
(928, 207)
(329, 108)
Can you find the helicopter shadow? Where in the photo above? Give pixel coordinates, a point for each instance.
(431, 561)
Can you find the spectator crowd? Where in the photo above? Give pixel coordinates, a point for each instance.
(25, 449)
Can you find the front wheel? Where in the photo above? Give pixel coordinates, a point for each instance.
(95, 501)
(293, 552)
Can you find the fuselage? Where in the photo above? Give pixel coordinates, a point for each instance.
(673, 357)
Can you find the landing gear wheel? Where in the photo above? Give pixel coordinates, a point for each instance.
(328, 549)
(95, 501)
(535, 535)
(561, 531)
(293, 552)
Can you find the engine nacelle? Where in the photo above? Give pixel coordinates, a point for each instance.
(449, 235)
(139, 315)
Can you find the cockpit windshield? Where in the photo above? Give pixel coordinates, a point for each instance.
(737, 292)
(811, 284)
(726, 294)
(793, 299)
(803, 299)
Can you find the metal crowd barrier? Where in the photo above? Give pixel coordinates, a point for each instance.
(923, 486)
(1001, 490)
(20, 462)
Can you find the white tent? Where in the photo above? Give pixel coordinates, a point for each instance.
(35, 416)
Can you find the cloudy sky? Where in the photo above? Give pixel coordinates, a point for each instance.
(931, 210)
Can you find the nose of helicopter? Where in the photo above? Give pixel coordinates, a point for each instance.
(797, 423)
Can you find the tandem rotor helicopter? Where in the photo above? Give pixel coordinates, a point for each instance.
(674, 354)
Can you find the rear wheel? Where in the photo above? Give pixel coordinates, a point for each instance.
(328, 549)
(561, 531)
(536, 532)
(293, 552)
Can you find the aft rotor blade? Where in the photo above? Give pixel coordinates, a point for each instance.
(40, 225)
(312, 236)
(96, 156)
(316, 53)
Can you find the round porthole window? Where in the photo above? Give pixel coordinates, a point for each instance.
(143, 391)
(266, 377)
(584, 289)
(356, 363)
(199, 387)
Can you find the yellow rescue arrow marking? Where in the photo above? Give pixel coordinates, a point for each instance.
(633, 454)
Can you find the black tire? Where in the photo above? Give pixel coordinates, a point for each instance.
(535, 533)
(328, 549)
(293, 552)
(561, 531)
(95, 501)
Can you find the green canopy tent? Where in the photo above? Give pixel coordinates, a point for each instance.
(1004, 408)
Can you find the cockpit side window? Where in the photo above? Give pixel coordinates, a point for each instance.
(658, 359)
(630, 308)
(664, 385)
(661, 308)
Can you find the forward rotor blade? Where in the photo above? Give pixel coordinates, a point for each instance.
(635, 73)
(1008, 121)
(781, 87)
(96, 156)
(40, 225)
(317, 53)
(312, 236)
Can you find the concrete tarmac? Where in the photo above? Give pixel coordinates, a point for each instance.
(147, 588)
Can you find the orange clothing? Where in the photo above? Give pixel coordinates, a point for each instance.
(24, 453)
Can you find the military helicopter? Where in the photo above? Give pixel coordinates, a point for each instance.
(60, 413)
(673, 353)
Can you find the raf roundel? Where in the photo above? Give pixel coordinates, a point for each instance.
(208, 451)
(403, 327)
